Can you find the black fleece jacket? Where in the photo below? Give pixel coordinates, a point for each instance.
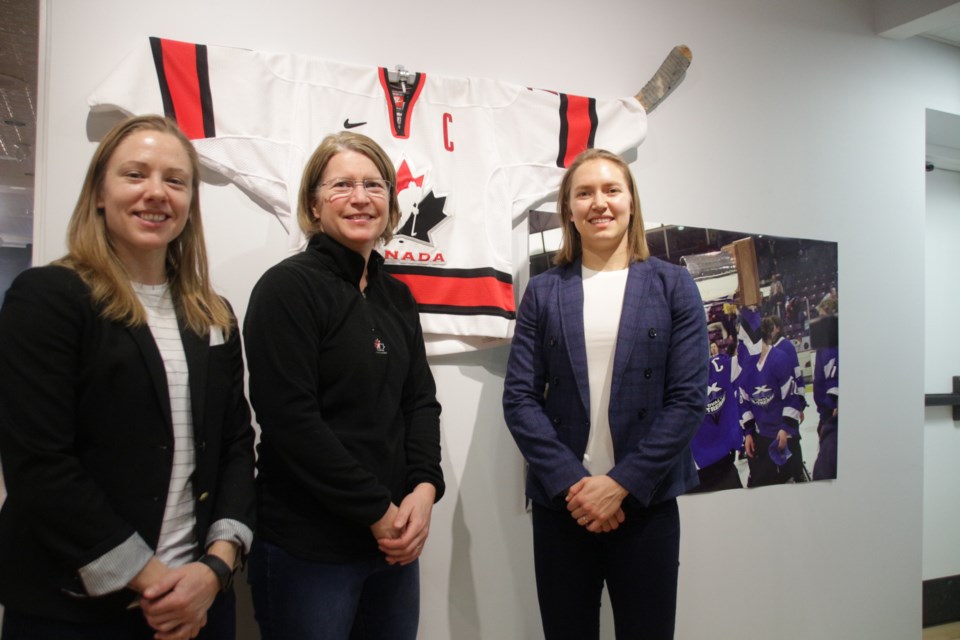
(345, 401)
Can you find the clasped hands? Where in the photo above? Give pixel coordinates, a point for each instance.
(595, 502)
(402, 531)
(175, 601)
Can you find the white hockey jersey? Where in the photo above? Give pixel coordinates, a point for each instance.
(471, 156)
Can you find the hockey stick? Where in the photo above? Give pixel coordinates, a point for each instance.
(666, 79)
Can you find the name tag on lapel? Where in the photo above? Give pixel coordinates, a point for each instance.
(216, 336)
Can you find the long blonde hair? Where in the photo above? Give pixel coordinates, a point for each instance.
(570, 245)
(91, 254)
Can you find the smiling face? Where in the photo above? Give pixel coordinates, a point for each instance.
(601, 207)
(357, 219)
(145, 199)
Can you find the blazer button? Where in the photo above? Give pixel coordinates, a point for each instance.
(553, 341)
(652, 333)
(556, 421)
(642, 414)
(555, 382)
(202, 445)
(155, 498)
(647, 373)
(203, 496)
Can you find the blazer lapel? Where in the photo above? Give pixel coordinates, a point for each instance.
(151, 357)
(638, 280)
(570, 303)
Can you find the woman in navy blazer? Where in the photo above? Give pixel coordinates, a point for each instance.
(124, 432)
(605, 389)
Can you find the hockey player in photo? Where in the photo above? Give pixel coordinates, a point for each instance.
(826, 390)
(784, 344)
(720, 436)
(770, 405)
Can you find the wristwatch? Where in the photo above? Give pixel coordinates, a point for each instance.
(220, 568)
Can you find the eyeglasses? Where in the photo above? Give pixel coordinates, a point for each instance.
(342, 187)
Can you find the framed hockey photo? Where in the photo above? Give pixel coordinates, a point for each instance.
(772, 314)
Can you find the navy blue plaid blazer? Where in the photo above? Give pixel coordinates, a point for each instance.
(658, 392)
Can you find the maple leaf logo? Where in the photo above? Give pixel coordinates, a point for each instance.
(405, 177)
(422, 209)
(426, 215)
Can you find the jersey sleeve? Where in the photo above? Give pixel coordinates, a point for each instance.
(826, 381)
(540, 133)
(792, 397)
(228, 101)
(748, 336)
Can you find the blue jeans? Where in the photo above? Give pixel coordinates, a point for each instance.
(130, 625)
(362, 600)
(639, 563)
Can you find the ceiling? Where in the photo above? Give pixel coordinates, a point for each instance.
(18, 119)
(897, 19)
(18, 91)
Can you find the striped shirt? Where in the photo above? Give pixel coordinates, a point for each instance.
(178, 541)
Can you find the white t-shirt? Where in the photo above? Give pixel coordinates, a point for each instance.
(602, 303)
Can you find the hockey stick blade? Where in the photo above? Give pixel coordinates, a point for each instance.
(666, 79)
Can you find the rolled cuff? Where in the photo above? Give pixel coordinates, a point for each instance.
(116, 568)
(231, 531)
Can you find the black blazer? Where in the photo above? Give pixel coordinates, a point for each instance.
(86, 441)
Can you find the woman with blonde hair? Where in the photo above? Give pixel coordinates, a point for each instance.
(349, 464)
(605, 389)
(125, 436)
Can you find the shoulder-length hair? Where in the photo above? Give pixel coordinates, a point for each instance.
(90, 251)
(313, 172)
(570, 246)
(767, 326)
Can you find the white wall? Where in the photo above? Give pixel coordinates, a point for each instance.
(795, 119)
(941, 445)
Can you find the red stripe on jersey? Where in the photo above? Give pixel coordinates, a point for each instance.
(459, 292)
(180, 69)
(579, 127)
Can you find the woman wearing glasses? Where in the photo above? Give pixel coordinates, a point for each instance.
(349, 464)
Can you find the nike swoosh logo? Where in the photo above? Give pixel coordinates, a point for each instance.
(350, 125)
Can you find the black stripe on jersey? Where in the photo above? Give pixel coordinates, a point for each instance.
(451, 310)
(206, 97)
(156, 46)
(594, 121)
(485, 272)
(564, 130)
